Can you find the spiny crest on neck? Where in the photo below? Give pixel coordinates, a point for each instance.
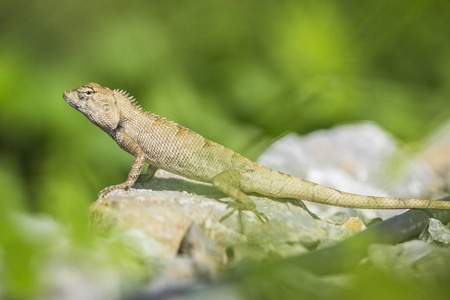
(136, 105)
(129, 98)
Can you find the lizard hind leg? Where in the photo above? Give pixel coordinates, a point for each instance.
(229, 183)
(147, 176)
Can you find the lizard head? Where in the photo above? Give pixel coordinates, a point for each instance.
(97, 103)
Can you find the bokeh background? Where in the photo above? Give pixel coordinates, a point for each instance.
(238, 72)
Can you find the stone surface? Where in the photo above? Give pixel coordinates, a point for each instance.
(291, 228)
(354, 224)
(176, 222)
(162, 219)
(436, 233)
(205, 254)
(161, 216)
(413, 259)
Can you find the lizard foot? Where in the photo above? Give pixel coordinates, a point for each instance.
(239, 207)
(109, 189)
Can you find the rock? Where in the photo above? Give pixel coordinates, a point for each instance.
(161, 216)
(354, 224)
(162, 211)
(206, 256)
(288, 228)
(180, 229)
(436, 233)
(335, 232)
(413, 259)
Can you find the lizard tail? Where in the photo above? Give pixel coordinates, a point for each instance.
(279, 185)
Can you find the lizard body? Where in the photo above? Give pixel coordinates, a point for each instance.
(164, 144)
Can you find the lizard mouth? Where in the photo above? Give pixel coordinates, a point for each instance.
(77, 106)
(67, 98)
(70, 101)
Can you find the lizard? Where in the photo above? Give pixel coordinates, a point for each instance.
(165, 144)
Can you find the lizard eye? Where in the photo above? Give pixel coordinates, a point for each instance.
(88, 92)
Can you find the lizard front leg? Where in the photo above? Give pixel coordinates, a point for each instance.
(133, 175)
(229, 182)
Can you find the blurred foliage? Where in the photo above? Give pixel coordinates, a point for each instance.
(238, 72)
(290, 282)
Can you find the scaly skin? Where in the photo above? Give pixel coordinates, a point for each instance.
(169, 146)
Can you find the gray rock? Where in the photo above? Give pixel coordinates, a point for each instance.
(414, 259)
(160, 219)
(160, 216)
(335, 232)
(206, 256)
(436, 233)
(288, 228)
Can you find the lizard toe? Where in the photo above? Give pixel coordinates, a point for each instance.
(238, 206)
(109, 189)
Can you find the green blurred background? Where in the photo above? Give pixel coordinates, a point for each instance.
(239, 72)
